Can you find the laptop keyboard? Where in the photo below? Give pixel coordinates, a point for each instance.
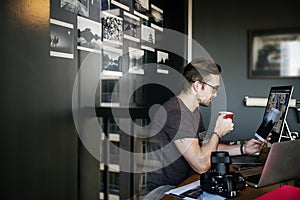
(254, 178)
(252, 171)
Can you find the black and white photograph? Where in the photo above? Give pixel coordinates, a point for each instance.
(136, 60)
(105, 4)
(96, 3)
(157, 17)
(124, 4)
(111, 61)
(147, 37)
(61, 39)
(77, 6)
(110, 93)
(162, 62)
(274, 53)
(141, 6)
(112, 28)
(132, 27)
(89, 35)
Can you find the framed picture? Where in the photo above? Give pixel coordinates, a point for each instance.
(112, 28)
(274, 53)
(61, 39)
(89, 35)
(78, 6)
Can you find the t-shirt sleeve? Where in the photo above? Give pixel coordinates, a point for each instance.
(178, 127)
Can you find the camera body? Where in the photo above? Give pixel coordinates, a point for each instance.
(219, 180)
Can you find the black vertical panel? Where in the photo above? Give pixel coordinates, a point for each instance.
(38, 139)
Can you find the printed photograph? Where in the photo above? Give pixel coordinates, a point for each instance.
(112, 28)
(136, 60)
(124, 4)
(109, 94)
(163, 62)
(132, 27)
(148, 34)
(141, 5)
(77, 6)
(89, 35)
(61, 39)
(112, 61)
(157, 17)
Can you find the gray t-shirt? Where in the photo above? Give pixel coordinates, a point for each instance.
(179, 123)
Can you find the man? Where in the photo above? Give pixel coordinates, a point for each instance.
(179, 139)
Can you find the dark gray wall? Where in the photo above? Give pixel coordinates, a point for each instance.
(41, 155)
(38, 138)
(221, 28)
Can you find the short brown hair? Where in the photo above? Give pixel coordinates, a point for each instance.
(198, 70)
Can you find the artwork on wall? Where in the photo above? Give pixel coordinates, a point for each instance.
(141, 6)
(132, 27)
(61, 39)
(124, 4)
(274, 53)
(112, 61)
(136, 60)
(110, 93)
(147, 37)
(163, 62)
(157, 18)
(89, 35)
(77, 6)
(112, 28)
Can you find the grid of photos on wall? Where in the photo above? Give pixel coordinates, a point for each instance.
(113, 29)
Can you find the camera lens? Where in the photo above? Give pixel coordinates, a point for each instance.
(220, 161)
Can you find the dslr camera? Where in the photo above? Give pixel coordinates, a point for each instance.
(220, 180)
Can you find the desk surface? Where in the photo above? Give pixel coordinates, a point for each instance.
(248, 193)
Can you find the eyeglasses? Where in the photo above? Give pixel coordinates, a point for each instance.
(215, 88)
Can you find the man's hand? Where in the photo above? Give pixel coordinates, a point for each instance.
(254, 146)
(223, 126)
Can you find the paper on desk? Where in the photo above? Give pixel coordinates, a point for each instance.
(204, 196)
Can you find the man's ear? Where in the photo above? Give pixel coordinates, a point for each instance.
(195, 86)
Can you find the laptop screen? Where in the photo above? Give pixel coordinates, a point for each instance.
(278, 100)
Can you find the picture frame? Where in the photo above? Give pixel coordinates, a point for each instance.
(274, 53)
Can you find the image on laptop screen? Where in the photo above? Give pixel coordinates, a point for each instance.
(275, 112)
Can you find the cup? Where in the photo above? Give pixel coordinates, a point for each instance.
(227, 114)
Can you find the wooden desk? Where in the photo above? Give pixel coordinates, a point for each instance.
(248, 193)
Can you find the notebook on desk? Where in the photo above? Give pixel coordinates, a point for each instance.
(282, 164)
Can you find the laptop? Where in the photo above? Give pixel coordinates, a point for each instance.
(276, 109)
(282, 164)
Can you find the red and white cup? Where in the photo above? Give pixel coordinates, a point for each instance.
(227, 114)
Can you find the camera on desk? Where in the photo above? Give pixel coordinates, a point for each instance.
(220, 180)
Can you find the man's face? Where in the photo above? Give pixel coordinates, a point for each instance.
(208, 90)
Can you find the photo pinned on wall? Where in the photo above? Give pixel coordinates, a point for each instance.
(136, 60)
(124, 4)
(111, 61)
(61, 39)
(77, 6)
(89, 35)
(112, 27)
(105, 4)
(141, 8)
(132, 27)
(157, 18)
(97, 3)
(162, 62)
(148, 38)
(110, 93)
